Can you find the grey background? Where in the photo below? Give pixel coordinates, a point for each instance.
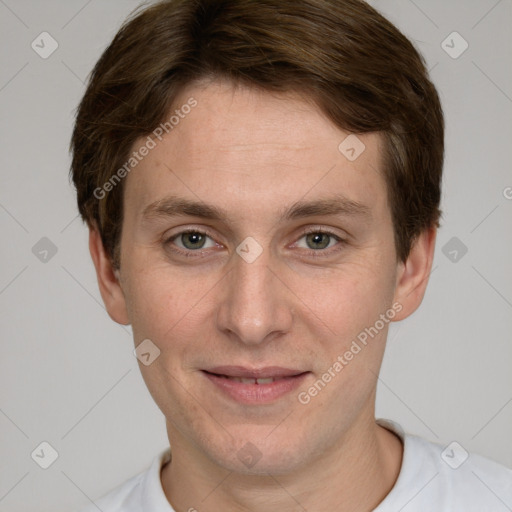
(68, 375)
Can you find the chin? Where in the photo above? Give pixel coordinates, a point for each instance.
(257, 450)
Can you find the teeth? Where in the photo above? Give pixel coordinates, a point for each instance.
(244, 380)
(268, 380)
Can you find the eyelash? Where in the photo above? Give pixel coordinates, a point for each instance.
(198, 254)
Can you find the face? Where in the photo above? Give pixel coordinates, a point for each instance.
(252, 282)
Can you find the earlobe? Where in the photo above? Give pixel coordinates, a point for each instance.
(413, 275)
(108, 279)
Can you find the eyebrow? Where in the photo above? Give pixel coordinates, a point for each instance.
(173, 206)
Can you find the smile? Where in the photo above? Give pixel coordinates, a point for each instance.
(253, 387)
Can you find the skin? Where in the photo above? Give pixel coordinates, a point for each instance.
(253, 153)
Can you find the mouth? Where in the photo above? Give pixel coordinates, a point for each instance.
(243, 380)
(255, 386)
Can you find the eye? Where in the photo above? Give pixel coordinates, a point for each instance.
(318, 240)
(190, 240)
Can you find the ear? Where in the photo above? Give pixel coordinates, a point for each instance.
(412, 276)
(108, 281)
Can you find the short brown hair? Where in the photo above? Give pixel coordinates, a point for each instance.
(355, 65)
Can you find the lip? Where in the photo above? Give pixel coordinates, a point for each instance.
(254, 373)
(253, 393)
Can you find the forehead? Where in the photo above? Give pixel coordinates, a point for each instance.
(255, 152)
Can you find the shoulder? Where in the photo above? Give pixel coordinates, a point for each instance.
(140, 492)
(123, 498)
(455, 464)
(455, 479)
(447, 477)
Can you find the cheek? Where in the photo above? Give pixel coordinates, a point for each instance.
(149, 303)
(157, 296)
(351, 298)
(172, 311)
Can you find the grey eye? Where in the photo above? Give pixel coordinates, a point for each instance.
(318, 240)
(192, 240)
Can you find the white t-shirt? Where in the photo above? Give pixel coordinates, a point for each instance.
(432, 478)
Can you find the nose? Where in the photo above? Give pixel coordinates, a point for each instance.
(255, 304)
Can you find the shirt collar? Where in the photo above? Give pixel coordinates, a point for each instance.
(153, 497)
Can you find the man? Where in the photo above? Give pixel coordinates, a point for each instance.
(261, 181)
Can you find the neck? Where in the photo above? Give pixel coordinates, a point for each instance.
(354, 475)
